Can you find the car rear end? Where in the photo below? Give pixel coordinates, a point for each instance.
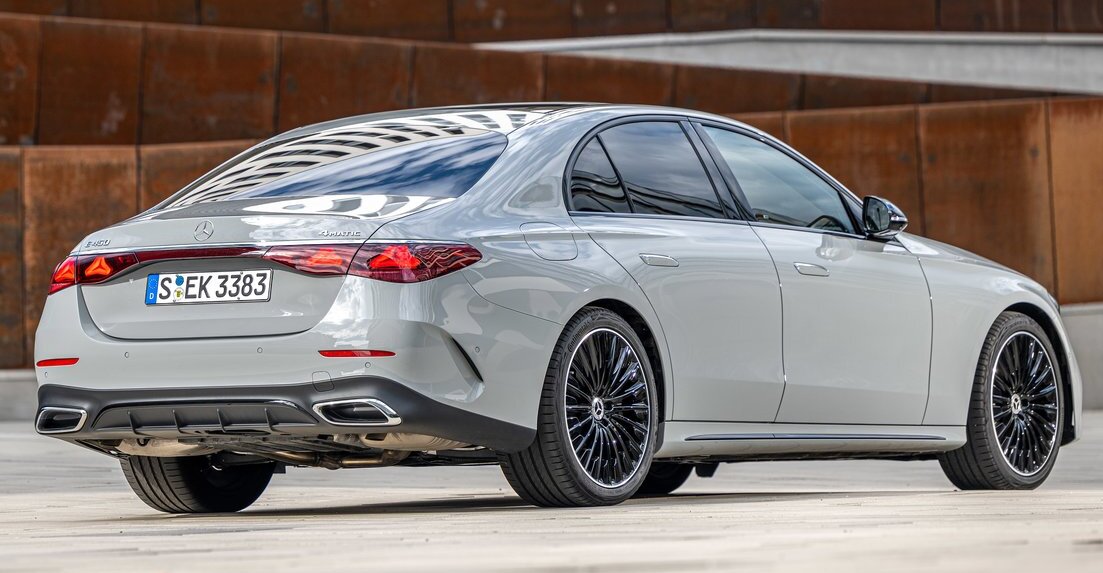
(253, 312)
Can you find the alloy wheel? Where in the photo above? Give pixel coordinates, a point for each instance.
(607, 407)
(1025, 403)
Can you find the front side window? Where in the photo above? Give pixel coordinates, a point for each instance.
(660, 170)
(778, 188)
(595, 187)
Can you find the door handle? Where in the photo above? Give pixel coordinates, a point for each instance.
(658, 260)
(811, 270)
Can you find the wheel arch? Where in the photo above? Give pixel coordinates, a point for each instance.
(651, 341)
(1051, 329)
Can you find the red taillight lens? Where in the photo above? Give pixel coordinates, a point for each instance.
(198, 253)
(93, 269)
(411, 262)
(90, 269)
(355, 353)
(314, 259)
(65, 275)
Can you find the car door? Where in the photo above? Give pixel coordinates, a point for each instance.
(857, 312)
(643, 194)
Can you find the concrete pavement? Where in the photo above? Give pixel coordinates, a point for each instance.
(65, 508)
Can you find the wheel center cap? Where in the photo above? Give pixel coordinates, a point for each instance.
(1016, 404)
(597, 408)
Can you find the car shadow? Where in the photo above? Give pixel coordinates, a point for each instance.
(489, 504)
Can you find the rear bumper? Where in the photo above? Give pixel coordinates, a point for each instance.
(261, 411)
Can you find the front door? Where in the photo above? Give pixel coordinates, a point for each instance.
(857, 312)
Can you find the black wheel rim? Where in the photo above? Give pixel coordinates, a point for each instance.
(1025, 407)
(608, 408)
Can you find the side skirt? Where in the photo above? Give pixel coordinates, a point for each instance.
(758, 440)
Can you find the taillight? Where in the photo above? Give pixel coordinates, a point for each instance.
(314, 259)
(93, 269)
(395, 262)
(65, 275)
(89, 269)
(411, 262)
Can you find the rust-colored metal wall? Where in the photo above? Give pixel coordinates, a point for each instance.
(205, 84)
(324, 78)
(20, 44)
(167, 168)
(1076, 155)
(68, 193)
(490, 20)
(872, 151)
(11, 260)
(985, 171)
(980, 175)
(76, 81)
(90, 93)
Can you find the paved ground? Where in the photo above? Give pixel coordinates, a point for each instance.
(62, 507)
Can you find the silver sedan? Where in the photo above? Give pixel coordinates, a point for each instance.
(601, 299)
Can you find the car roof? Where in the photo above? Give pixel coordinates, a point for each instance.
(501, 117)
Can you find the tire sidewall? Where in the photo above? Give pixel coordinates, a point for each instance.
(1018, 324)
(571, 340)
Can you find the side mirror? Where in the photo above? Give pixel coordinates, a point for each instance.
(881, 219)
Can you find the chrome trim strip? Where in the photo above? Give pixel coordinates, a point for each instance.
(47, 409)
(785, 436)
(393, 419)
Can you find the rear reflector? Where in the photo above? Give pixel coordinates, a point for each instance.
(355, 353)
(56, 362)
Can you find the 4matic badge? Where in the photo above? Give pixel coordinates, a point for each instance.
(328, 233)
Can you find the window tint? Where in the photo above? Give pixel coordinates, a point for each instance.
(661, 170)
(779, 189)
(594, 184)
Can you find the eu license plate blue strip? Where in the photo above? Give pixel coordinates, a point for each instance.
(151, 288)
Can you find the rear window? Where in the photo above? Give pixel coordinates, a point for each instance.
(424, 161)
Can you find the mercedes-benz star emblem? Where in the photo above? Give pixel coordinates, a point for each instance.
(203, 231)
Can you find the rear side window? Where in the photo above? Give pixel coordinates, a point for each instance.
(380, 160)
(595, 187)
(661, 171)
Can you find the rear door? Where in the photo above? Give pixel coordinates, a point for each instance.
(643, 194)
(857, 311)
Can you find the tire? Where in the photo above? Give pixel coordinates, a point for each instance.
(621, 416)
(664, 478)
(1011, 410)
(193, 485)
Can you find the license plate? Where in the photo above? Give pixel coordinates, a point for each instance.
(224, 286)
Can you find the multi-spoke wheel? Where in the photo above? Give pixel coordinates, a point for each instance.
(596, 427)
(607, 407)
(1015, 415)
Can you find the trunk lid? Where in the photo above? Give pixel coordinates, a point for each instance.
(298, 300)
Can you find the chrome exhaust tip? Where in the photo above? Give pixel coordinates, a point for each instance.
(55, 420)
(357, 412)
